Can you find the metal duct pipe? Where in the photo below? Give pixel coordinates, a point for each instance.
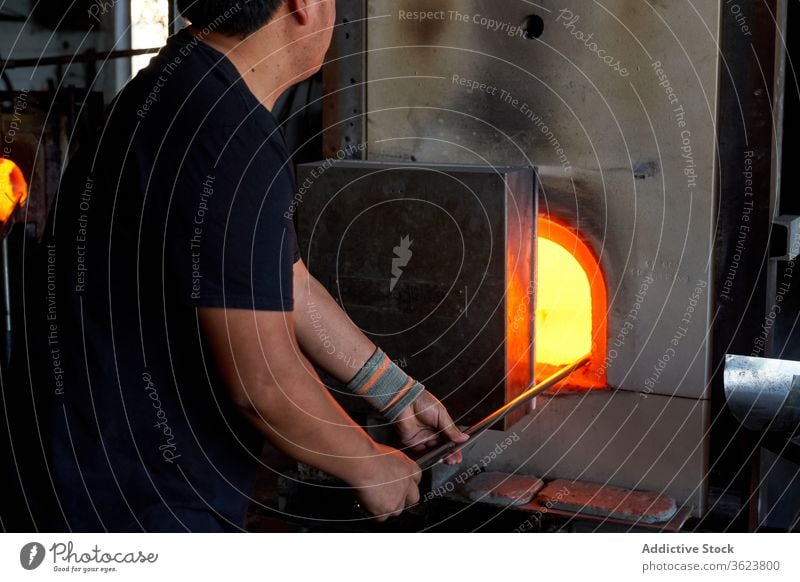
(762, 393)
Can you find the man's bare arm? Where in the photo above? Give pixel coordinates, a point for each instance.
(336, 344)
(277, 389)
(325, 332)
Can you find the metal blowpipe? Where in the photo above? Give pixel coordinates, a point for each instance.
(434, 456)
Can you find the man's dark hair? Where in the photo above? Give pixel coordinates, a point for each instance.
(243, 16)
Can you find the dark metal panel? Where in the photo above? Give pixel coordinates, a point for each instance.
(418, 256)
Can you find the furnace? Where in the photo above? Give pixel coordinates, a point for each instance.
(639, 189)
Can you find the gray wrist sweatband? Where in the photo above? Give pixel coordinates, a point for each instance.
(385, 386)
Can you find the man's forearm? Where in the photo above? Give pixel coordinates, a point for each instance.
(332, 341)
(301, 419)
(325, 332)
(277, 389)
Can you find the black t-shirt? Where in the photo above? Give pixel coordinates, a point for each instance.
(184, 202)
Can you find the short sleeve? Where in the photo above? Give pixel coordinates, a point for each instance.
(231, 230)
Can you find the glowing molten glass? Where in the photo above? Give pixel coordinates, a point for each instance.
(13, 189)
(570, 306)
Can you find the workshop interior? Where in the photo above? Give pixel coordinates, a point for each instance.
(573, 225)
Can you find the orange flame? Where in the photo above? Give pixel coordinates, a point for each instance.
(571, 306)
(13, 188)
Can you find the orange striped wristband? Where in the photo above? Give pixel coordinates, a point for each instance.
(385, 386)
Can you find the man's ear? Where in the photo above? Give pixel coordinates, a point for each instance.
(298, 9)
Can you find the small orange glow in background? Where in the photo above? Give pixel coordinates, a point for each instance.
(13, 189)
(570, 306)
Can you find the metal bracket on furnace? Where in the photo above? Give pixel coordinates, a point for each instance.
(785, 242)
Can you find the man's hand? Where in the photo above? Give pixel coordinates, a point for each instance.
(390, 486)
(423, 424)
